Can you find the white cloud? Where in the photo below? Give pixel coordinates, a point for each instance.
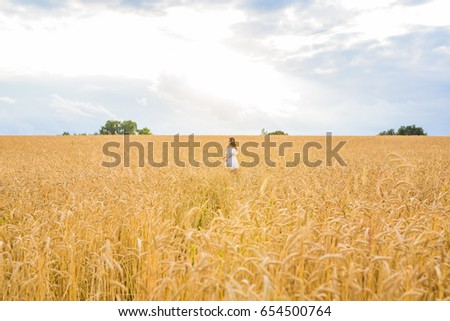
(112, 42)
(228, 62)
(7, 100)
(142, 101)
(69, 109)
(383, 22)
(365, 5)
(226, 91)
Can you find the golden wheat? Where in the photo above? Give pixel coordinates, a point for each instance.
(377, 229)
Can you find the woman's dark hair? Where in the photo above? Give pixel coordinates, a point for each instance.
(233, 142)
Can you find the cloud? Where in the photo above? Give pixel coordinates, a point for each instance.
(271, 6)
(7, 100)
(142, 101)
(69, 109)
(46, 4)
(214, 66)
(413, 2)
(395, 66)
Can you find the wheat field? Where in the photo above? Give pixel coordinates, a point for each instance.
(377, 229)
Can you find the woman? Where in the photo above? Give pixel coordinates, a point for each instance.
(231, 160)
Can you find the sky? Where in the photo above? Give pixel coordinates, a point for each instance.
(349, 67)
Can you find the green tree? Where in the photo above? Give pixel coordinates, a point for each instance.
(263, 132)
(128, 127)
(277, 132)
(411, 130)
(66, 134)
(405, 131)
(111, 127)
(389, 132)
(144, 131)
(116, 127)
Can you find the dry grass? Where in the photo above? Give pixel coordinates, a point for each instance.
(377, 229)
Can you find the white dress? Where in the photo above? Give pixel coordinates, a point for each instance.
(232, 162)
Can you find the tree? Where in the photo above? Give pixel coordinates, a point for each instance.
(116, 127)
(277, 132)
(389, 132)
(112, 127)
(405, 131)
(144, 131)
(411, 130)
(128, 127)
(66, 134)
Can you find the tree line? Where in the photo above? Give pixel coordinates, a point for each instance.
(276, 132)
(409, 130)
(117, 127)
